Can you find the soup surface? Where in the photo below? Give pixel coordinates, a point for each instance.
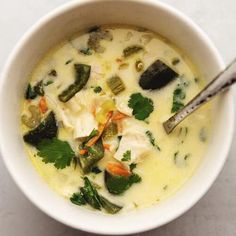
(92, 119)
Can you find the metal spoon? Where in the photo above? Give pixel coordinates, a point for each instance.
(219, 84)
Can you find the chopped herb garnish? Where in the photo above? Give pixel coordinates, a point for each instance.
(78, 199)
(38, 88)
(142, 106)
(175, 61)
(181, 161)
(132, 166)
(152, 139)
(53, 73)
(56, 151)
(126, 156)
(178, 97)
(97, 89)
(96, 170)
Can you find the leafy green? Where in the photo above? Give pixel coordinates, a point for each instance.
(116, 184)
(88, 194)
(152, 139)
(47, 129)
(178, 97)
(82, 73)
(126, 156)
(97, 89)
(132, 166)
(109, 206)
(78, 199)
(56, 151)
(142, 106)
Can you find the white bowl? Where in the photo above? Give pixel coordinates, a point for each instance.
(65, 21)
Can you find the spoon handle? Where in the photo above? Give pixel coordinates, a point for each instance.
(219, 84)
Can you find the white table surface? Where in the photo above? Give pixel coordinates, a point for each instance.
(213, 215)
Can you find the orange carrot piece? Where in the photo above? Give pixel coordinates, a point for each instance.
(43, 105)
(82, 151)
(117, 169)
(101, 128)
(119, 116)
(107, 146)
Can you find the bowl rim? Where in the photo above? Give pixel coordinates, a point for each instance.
(189, 23)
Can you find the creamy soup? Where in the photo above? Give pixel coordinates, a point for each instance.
(92, 119)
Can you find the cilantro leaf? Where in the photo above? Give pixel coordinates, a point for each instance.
(142, 106)
(178, 97)
(56, 151)
(78, 199)
(126, 156)
(149, 134)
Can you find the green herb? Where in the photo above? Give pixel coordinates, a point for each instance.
(142, 106)
(48, 83)
(93, 133)
(126, 156)
(30, 93)
(53, 73)
(88, 194)
(47, 129)
(78, 199)
(132, 50)
(178, 97)
(86, 51)
(68, 62)
(179, 160)
(116, 84)
(132, 166)
(96, 170)
(82, 73)
(110, 207)
(175, 61)
(152, 139)
(116, 184)
(97, 89)
(56, 151)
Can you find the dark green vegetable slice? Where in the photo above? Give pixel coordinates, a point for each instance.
(96, 170)
(109, 206)
(132, 50)
(90, 194)
(157, 76)
(116, 184)
(30, 93)
(116, 84)
(47, 129)
(95, 153)
(82, 73)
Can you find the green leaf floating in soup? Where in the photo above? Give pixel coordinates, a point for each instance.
(92, 114)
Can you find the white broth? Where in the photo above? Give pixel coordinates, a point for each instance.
(163, 162)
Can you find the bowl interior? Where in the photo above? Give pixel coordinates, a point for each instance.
(63, 23)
